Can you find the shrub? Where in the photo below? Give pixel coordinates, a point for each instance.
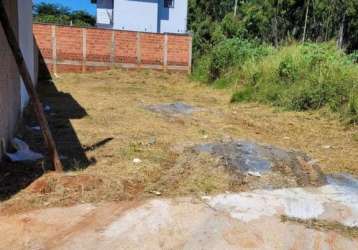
(243, 95)
(354, 56)
(303, 77)
(287, 70)
(352, 110)
(201, 69)
(232, 52)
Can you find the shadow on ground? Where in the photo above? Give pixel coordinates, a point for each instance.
(60, 108)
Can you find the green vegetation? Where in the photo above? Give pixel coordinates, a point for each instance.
(273, 21)
(297, 77)
(289, 54)
(58, 14)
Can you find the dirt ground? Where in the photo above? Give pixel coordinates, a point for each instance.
(102, 126)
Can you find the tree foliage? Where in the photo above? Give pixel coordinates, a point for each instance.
(58, 14)
(274, 21)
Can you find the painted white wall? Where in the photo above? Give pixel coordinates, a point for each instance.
(173, 20)
(104, 13)
(136, 15)
(143, 15)
(26, 43)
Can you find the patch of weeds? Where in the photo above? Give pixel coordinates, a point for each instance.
(296, 77)
(287, 70)
(202, 132)
(355, 137)
(323, 225)
(243, 95)
(132, 150)
(352, 110)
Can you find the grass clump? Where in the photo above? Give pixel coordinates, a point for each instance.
(297, 77)
(226, 54)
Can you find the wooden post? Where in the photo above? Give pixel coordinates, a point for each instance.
(35, 101)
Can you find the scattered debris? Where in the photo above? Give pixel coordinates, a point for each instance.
(312, 162)
(34, 128)
(152, 141)
(23, 152)
(63, 157)
(156, 193)
(47, 108)
(256, 174)
(137, 161)
(172, 108)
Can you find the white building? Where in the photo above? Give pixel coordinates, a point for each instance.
(13, 96)
(158, 16)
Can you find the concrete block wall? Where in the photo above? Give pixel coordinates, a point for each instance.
(10, 101)
(71, 49)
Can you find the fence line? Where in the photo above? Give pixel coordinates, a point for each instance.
(71, 49)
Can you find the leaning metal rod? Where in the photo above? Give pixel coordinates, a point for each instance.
(35, 101)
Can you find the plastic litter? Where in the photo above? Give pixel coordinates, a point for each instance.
(35, 128)
(23, 153)
(137, 161)
(252, 173)
(47, 108)
(156, 192)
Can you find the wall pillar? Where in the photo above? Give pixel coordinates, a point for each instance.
(165, 52)
(84, 50)
(54, 49)
(139, 53)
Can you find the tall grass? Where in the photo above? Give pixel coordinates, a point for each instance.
(297, 77)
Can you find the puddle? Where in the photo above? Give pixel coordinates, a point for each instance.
(177, 108)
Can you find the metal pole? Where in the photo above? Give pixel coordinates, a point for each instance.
(35, 101)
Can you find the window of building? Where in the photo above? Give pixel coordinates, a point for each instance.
(168, 3)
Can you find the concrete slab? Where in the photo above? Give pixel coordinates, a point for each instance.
(231, 221)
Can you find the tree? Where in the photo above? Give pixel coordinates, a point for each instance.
(274, 21)
(306, 20)
(58, 14)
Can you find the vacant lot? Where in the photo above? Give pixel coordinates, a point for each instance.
(115, 148)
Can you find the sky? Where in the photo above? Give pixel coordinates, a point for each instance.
(73, 4)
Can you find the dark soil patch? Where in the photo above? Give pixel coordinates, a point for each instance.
(177, 108)
(249, 158)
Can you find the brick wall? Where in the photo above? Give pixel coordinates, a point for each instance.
(70, 49)
(9, 81)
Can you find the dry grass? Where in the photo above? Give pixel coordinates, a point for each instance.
(114, 104)
(323, 225)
